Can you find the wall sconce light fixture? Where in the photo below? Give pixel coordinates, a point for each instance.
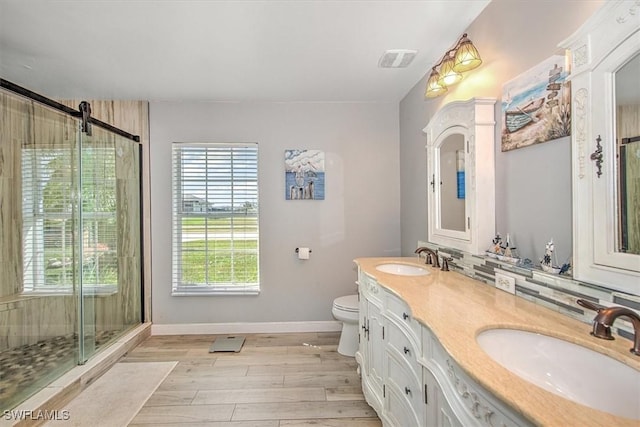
(462, 57)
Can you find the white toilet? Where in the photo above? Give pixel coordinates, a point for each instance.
(345, 309)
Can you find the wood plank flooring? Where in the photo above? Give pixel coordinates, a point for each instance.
(276, 380)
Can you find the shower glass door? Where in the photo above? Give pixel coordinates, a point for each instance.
(38, 302)
(70, 242)
(109, 240)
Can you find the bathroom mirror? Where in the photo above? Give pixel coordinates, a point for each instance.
(605, 61)
(451, 195)
(627, 96)
(460, 167)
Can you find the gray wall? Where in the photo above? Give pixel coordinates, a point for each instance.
(376, 175)
(533, 184)
(360, 215)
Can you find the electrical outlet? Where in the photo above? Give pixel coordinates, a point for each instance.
(506, 283)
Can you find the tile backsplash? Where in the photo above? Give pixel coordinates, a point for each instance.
(558, 293)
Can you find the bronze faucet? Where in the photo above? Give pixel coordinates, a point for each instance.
(445, 263)
(606, 316)
(431, 257)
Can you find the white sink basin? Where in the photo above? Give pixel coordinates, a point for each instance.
(566, 369)
(402, 269)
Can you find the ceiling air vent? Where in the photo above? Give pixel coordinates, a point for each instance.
(397, 58)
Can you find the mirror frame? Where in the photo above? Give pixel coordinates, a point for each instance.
(475, 120)
(604, 43)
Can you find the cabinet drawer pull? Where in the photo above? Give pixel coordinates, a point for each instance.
(407, 391)
(405, 316)
(406, 350)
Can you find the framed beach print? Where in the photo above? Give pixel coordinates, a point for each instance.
(536, 105)
(304, 174)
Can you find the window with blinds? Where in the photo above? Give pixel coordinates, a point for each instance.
(215, 219)
(51, 250)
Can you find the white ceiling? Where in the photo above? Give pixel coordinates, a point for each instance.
(240, 50)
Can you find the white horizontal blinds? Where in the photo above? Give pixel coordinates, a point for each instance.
(47, 159)
(215, 218)
(99, 212)
(49, 217)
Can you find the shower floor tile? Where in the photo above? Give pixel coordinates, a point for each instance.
(25, 370)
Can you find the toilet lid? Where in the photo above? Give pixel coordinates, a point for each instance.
(346, 303)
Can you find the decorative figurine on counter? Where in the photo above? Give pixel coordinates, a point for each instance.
(503, 251)
(508, 253)
(495, 249)
(549, 262)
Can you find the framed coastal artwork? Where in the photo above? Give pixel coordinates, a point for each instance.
(536, 105)
(304, 174)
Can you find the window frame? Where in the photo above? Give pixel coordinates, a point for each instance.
(205, 208)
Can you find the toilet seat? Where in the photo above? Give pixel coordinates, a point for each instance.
(348, 303)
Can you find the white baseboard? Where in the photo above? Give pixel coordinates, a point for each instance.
(245, 328)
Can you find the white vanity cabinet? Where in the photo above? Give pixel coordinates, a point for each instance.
(390, 342)
(439, 412)
(404, 397)
(408, 377)
(453, 398)
(370, 353)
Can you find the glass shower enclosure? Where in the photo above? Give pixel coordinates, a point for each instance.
(70, 242)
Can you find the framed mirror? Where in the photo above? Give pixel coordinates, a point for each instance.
(460, 167)
(605, 59)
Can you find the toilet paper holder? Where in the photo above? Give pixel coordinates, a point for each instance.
(298, 250)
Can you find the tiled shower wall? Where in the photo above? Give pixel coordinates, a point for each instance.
(22, 316)
(558, 293)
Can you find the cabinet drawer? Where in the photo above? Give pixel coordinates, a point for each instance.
(370, 288)
(402, 382)
(398, 311)
(399, 342)
(397, 412)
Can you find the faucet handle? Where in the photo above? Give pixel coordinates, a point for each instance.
(590, 305)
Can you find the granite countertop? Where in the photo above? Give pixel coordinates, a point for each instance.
(457, 308)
